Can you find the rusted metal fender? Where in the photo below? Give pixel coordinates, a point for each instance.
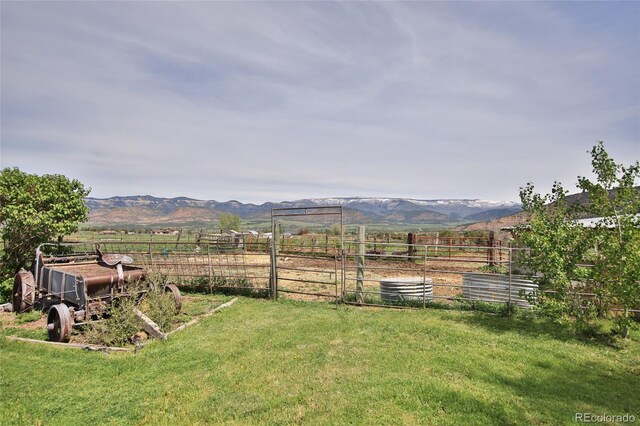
(175, 292)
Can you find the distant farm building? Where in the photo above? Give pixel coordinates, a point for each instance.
(165, 232)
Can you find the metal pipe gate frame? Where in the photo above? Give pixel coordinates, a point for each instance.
(279, 214)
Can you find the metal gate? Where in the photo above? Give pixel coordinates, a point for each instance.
(315, 270)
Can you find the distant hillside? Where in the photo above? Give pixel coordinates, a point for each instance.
(493, 214)
(520, 217)
(148, 210)
(497, 224)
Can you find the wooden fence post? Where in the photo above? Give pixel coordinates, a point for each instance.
(411, 240)
(209, 267)
(490, 253)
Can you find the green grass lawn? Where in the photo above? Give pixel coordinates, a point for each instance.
(285, 362)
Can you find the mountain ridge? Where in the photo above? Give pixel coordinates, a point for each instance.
(147, 209)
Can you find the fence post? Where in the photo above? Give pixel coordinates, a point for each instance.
(424, 279)
(335, 270)
(510, 273)
(411, 240)
(210, 271)
(360, 260)
(275, 239)
(490, 253)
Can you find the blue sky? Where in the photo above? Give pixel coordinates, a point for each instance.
(279, 101)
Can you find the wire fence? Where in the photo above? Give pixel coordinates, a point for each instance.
(363, 272)
(211, 266)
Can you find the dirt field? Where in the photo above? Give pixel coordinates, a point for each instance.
(309, 274)
(443, 274)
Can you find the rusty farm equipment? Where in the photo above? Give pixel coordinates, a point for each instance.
(77, 287)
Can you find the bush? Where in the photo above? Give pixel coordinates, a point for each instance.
(493, 269)
(117, 328)
(160, 306)
(6, 288)
(121, 323)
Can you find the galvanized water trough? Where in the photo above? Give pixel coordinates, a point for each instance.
(495, 288)
(406, 288)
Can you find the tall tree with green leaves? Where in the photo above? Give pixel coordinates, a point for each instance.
(229, 221)
(35, 209)
(568, 259)
(557, 249)
(614, 196)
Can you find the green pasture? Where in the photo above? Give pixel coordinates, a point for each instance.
(285, 362)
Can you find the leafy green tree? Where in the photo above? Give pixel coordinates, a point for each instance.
(558, 248)
(229, 221)
(36, 209)
(568, 259)
(615, 275)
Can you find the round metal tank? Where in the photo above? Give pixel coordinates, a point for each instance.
(406, 288)
(495, 288)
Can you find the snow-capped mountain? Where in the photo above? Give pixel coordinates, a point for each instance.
(461, 207)
(148, 209)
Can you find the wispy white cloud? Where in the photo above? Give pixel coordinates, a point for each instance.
(258, 101)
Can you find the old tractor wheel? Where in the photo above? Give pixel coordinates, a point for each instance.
(59, 323)
(24, 292)
(177, 297)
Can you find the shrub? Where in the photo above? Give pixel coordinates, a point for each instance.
(160, 307)
(6, 288)
(494, 269)
(117, 328)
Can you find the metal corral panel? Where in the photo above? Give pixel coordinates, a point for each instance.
(395, 289)
(495, 288)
